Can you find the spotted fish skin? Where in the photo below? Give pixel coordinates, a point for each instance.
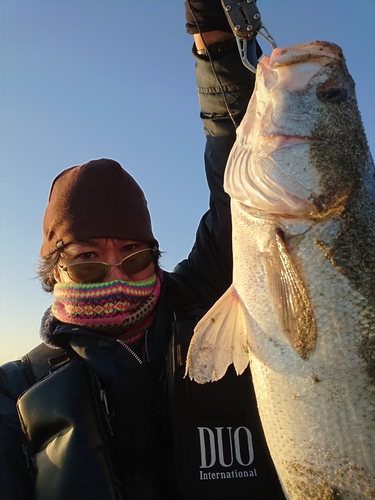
(301, 309)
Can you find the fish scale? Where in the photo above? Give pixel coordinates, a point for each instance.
(301, 309)
(289, 389)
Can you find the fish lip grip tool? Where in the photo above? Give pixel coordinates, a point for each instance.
(245, 20)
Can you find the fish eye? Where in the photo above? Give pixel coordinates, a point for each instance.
(333, 94)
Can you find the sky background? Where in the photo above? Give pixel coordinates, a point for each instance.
(85, 79)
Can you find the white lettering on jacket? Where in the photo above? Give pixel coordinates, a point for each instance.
(213, 443)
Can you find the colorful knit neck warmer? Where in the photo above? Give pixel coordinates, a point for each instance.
(120, 309)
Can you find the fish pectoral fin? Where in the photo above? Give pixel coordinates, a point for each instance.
(289, 297)
(219, 339)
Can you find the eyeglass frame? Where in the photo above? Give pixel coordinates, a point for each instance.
(108, 266)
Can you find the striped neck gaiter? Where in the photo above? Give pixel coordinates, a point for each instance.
(118, 309)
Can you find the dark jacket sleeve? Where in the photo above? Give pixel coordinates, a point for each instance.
(208, 269)
(14, 475)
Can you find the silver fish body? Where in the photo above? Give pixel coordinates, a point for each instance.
(301, 309)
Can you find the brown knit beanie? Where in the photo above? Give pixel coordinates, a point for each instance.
(95, 200)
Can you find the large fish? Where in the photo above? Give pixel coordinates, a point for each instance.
(301, 308)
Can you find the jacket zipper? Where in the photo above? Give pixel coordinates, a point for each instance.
(129, 350)
(104, 402)
(146, 346)
(135, 355)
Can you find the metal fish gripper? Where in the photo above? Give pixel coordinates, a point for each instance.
(245, 20)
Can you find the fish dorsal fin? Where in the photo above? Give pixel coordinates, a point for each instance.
(219, 339)
(289, 298)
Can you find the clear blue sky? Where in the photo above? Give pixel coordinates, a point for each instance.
(83, 79)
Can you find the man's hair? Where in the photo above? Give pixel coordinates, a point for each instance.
(45, 268)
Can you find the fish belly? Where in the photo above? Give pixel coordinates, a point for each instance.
(318, 413)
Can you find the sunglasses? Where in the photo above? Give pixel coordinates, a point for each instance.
(95, 272)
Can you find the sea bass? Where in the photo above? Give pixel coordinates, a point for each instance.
(301, 309)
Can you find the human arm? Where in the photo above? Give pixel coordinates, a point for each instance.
(208, 269)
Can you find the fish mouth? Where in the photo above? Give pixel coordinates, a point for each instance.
(293, 67)
(325, 52)
(271, 143)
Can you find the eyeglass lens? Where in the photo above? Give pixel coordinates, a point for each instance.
(92, 272)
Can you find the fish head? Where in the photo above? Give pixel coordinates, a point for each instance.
(301, 145)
